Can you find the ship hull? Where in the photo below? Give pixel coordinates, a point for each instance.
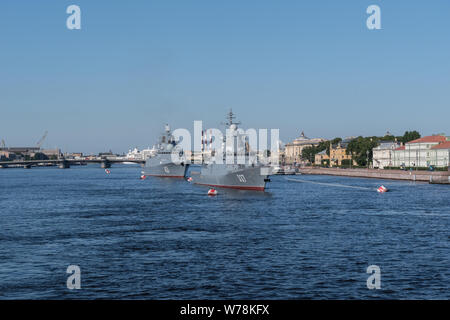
(158, 168)
(231, 176)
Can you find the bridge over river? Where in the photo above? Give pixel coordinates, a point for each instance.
(65, 163)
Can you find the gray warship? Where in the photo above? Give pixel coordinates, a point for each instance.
(248, 176)
(162, 164)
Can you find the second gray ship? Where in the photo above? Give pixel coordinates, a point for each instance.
(163, 164)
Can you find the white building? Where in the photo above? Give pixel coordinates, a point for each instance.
(440, 155)
(383, 155)
(422, 152)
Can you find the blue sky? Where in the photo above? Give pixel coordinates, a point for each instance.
(293, 65)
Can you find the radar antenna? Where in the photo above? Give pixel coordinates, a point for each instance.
(230, 119)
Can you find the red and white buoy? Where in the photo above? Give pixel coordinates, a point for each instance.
(107, 171)
(212, 192)
(143, 177)
(189, 179)
(382, 189)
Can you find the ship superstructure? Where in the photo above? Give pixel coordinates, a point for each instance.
(249, 175)
(169, 160)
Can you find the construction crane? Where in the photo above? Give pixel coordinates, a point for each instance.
(3, 145)
(41, 141)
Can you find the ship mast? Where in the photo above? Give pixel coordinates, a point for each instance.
(230, 118)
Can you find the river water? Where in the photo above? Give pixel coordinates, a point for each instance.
(166, 239)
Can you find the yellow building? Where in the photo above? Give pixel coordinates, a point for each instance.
(293, 150)
(338, 153)
(321, 158)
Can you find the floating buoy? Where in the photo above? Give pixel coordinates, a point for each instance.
(189, 179)
(107, 171)
(143, 177)
(212, 192)
(382, 189)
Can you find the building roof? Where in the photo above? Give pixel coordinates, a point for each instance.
(340, 145)
(348, 139)
(22, 149)
(304, 140)
(323, 152)
(443, 145)
(302, 136)
(429, 139)
(387, 145)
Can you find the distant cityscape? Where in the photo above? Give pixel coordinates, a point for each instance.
(384, 152)
(17, 154)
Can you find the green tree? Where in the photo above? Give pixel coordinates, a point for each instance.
(409, 136)
(361, 148)
(387, 138)
(309, 153)
(334, 142)
(346, 162)
(40, 156)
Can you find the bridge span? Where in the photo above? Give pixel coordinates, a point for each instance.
(64, 163)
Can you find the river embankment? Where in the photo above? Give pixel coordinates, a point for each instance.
(415, 175)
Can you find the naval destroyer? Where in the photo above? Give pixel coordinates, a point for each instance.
(248, 176)
(169, 160)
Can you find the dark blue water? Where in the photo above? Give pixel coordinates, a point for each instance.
(166, 239)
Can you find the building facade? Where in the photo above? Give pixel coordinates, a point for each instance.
(338, 154)
(383, 155)
(423, 152)
(52, 153)
(322, 158)
(17, 153)
(440, 155)
(293, 150)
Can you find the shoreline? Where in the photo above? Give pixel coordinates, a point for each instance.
(438, 177)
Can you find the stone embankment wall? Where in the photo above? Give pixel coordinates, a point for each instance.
(428, 176)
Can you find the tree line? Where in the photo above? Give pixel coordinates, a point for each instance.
(360, 148)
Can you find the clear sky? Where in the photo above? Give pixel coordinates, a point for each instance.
(294, 65)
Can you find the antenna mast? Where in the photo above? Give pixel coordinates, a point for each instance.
(230, 118)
